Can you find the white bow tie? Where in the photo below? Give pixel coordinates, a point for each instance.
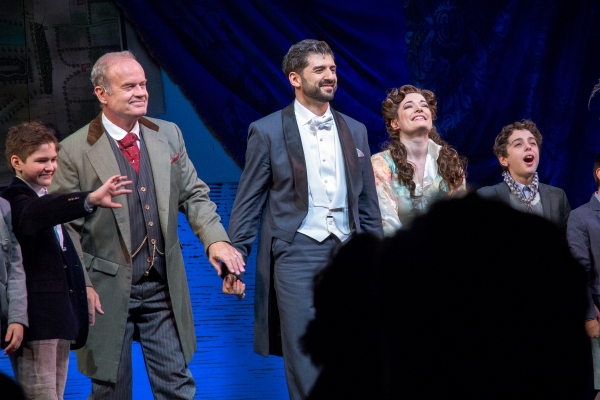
(323, 122)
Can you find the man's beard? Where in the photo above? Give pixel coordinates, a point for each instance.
(314, 91)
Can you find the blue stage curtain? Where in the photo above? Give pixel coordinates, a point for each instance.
(226, 56)
(489, 63)
(492, 63)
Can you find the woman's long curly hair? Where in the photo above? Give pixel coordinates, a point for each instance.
(451, 166)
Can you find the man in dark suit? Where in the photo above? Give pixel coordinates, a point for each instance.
(583, 234)
(308, 167)
(517, 147)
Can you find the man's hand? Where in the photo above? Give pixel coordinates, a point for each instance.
(94, 305)
(592, 328)
(226, 253)
(102, 197)
(233, 285)
(14, 337)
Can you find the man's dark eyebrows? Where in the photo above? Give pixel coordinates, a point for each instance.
(323, 66)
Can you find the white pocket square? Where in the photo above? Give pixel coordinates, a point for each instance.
(360, 153)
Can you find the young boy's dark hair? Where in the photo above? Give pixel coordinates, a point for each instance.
(24, 139)
(502, 139)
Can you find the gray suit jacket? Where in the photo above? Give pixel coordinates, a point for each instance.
(13, 291)
(275, 180)
(554, 200)
(583, 234)
(85, 161)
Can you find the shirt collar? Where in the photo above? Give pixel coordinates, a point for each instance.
(118, 133)
(431, 167)
(524, 189)
(40, 190)
(304, 115)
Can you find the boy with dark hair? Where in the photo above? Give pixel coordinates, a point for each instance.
(517, 147)
(56, 294)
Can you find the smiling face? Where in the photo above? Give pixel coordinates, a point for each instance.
(414, 115)
(128, 97)
(39, 167)
(317, 82)
(523, 156)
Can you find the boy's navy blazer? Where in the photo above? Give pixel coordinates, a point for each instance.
(52, 314)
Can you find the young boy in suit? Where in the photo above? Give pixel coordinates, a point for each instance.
(13, 293)
(56, 292)
(517, 147)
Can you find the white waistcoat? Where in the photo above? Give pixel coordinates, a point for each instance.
(327, 192)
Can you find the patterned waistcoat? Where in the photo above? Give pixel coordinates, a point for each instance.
(147, 243)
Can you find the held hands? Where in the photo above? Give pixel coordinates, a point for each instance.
(94, 305)
(233, 285)
(14, 337)
(592, 326)
(102, 197)
(224, 252)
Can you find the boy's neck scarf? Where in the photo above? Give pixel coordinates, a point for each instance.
(514, 189)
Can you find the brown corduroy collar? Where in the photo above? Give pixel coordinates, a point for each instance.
(96, 129)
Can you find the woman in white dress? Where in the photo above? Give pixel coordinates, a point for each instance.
(418, 167)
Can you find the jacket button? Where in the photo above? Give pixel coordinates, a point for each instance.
(143, 189)
(149, 259)
(147, 207)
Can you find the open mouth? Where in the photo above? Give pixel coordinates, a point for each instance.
(419, 118)
(528, 159)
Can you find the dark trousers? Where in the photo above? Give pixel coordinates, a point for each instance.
(151, 322)
(296, 265)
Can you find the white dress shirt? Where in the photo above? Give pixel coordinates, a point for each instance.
(119, 133)
(327, 193)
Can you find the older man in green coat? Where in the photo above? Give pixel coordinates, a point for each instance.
(137, 286)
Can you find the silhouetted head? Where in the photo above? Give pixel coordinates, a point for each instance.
(475, 301)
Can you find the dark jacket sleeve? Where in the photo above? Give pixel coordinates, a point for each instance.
(252, 192)
(579, 243)
(368, 203)
(32, 214)
(565, 210)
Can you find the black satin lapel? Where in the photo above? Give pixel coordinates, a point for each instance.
(293, 143)
(353, 170)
